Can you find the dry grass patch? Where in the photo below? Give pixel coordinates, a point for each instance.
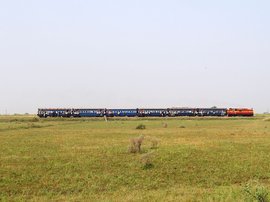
(135, 144)
(147, 160)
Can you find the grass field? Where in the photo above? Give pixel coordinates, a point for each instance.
(197, 159)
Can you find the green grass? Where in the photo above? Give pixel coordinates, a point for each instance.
(197, 159)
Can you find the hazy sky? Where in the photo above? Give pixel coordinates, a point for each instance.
(143, 53)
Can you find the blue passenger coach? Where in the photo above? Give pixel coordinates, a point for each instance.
(91, 112)
(121, 112)
(211, 112)
(154, 112)
(182, 112)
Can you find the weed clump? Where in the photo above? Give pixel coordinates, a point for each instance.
(141, 127)
(154, 142)
(165, 125)
(182, 126)
(147, 160)
(258, 193)
(135, 144)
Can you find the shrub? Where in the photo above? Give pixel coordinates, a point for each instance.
(147, 160)
(154, 142)
(182, 126)
(135, 144)
(141, 126)
(132, 147)
(259, 193)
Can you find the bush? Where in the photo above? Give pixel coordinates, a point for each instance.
(182, 126)
(141, 126)
(154, 142)
(135, 144)
(147, 160)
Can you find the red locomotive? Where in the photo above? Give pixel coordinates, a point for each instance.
(240, 112)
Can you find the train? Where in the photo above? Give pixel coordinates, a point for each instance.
(145, 112)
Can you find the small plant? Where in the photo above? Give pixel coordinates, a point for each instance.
(141, 127)
(259, 193)
(135, 144)
(154, 142)
(132, 147)
(182, 126)
(165, 125)
(147, 160)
